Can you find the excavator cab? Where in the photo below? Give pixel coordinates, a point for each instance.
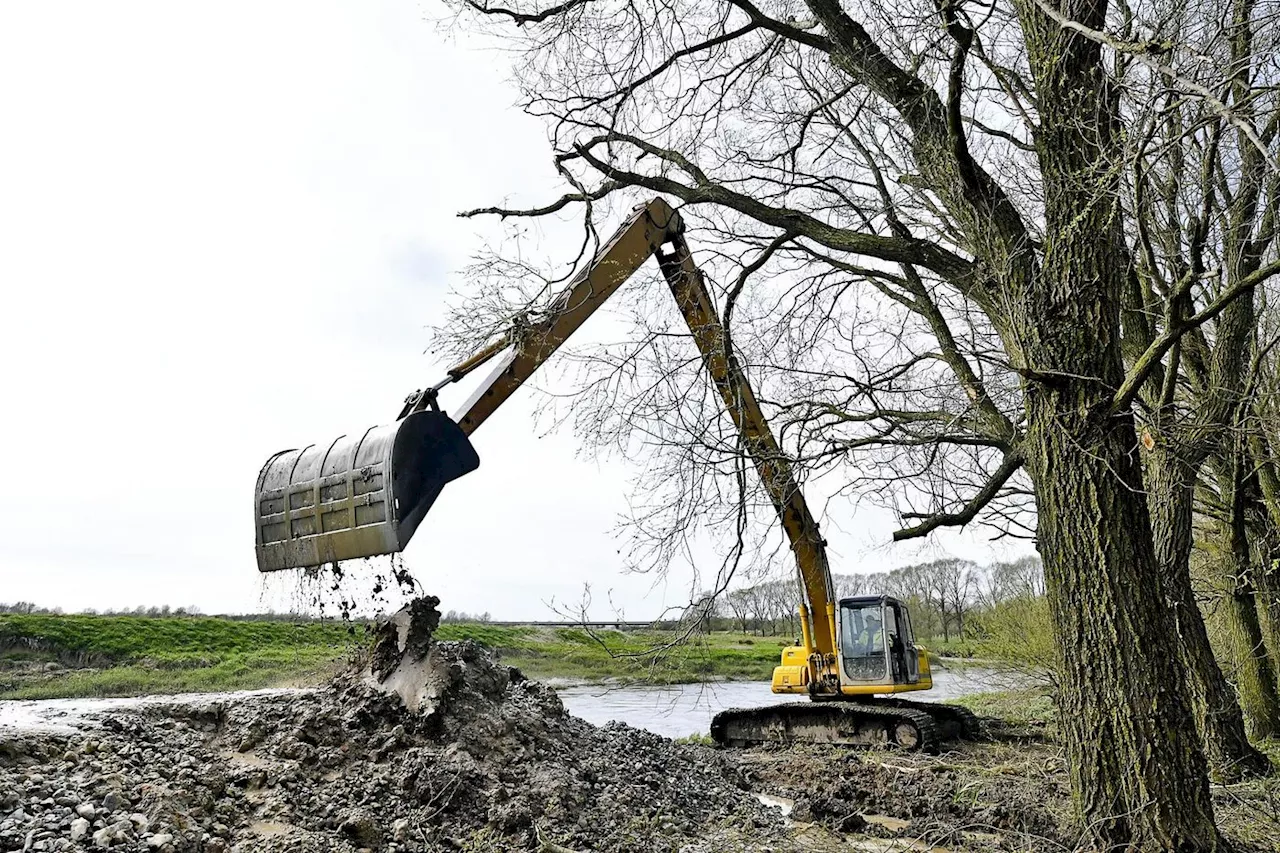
(878, 652)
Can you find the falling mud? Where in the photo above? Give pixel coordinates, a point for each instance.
(431, 745)
(350, 590)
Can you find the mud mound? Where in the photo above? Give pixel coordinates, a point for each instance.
(430, 746)
(489, 758)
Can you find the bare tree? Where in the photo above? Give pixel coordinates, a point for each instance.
(739, 603)
(849, 585)
(934, 261)
(1006, 581)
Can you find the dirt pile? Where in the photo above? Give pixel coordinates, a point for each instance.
(482, 759)
(437, 745)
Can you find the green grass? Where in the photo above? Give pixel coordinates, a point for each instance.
(170, 640)
(572, 653)
(134, 655)
(1033, 705)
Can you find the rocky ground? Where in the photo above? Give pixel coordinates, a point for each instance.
(482, 759)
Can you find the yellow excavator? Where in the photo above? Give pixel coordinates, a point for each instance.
(365, 495)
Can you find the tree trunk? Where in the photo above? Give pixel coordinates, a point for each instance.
(1137, 770)
(1267, 599)
(1268, 586)
(1255, 676)
(1170, 496)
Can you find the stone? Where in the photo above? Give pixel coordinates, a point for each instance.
(79, 828)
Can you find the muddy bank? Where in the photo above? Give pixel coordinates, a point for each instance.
(487, 760)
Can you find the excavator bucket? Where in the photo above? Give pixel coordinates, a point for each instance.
(357, 496)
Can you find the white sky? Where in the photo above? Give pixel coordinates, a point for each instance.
(225, 229)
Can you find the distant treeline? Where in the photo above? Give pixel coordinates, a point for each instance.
(944, 596)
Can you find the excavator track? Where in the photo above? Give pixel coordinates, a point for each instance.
(843, 723)
(954, 722)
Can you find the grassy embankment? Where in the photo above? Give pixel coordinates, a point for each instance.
(134, 655)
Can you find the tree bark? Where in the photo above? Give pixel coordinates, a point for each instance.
(1261, 460)
(1171, 482)
(1137, 770)
(1255, 675)
(1136, 766)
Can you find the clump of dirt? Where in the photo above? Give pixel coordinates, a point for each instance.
(405, 638)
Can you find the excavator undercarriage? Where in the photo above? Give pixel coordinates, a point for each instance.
(874, 722)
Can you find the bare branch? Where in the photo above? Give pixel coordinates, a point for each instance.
(1008, 467)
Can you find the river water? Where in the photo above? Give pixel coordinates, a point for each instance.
(685, 709)
(672, 711)
(70, 715)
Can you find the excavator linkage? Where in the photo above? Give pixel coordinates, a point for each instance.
(357, 496)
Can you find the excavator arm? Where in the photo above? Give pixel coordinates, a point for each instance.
(362, 496)
(365, 495)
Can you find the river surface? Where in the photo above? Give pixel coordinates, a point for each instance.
(673, 711)
(70, 715)
(685, 709)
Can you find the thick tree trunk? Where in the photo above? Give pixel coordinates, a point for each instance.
(1267, 597)
(1268, 586)
(1255, 676)
(1170, 495)
(1136, 763)
(1138, 773)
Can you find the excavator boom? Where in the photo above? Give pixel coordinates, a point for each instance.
(331, 502)
(361, 496)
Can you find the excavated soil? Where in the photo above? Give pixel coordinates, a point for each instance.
(482, 759)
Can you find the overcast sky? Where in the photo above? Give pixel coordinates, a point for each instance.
(226, 227)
